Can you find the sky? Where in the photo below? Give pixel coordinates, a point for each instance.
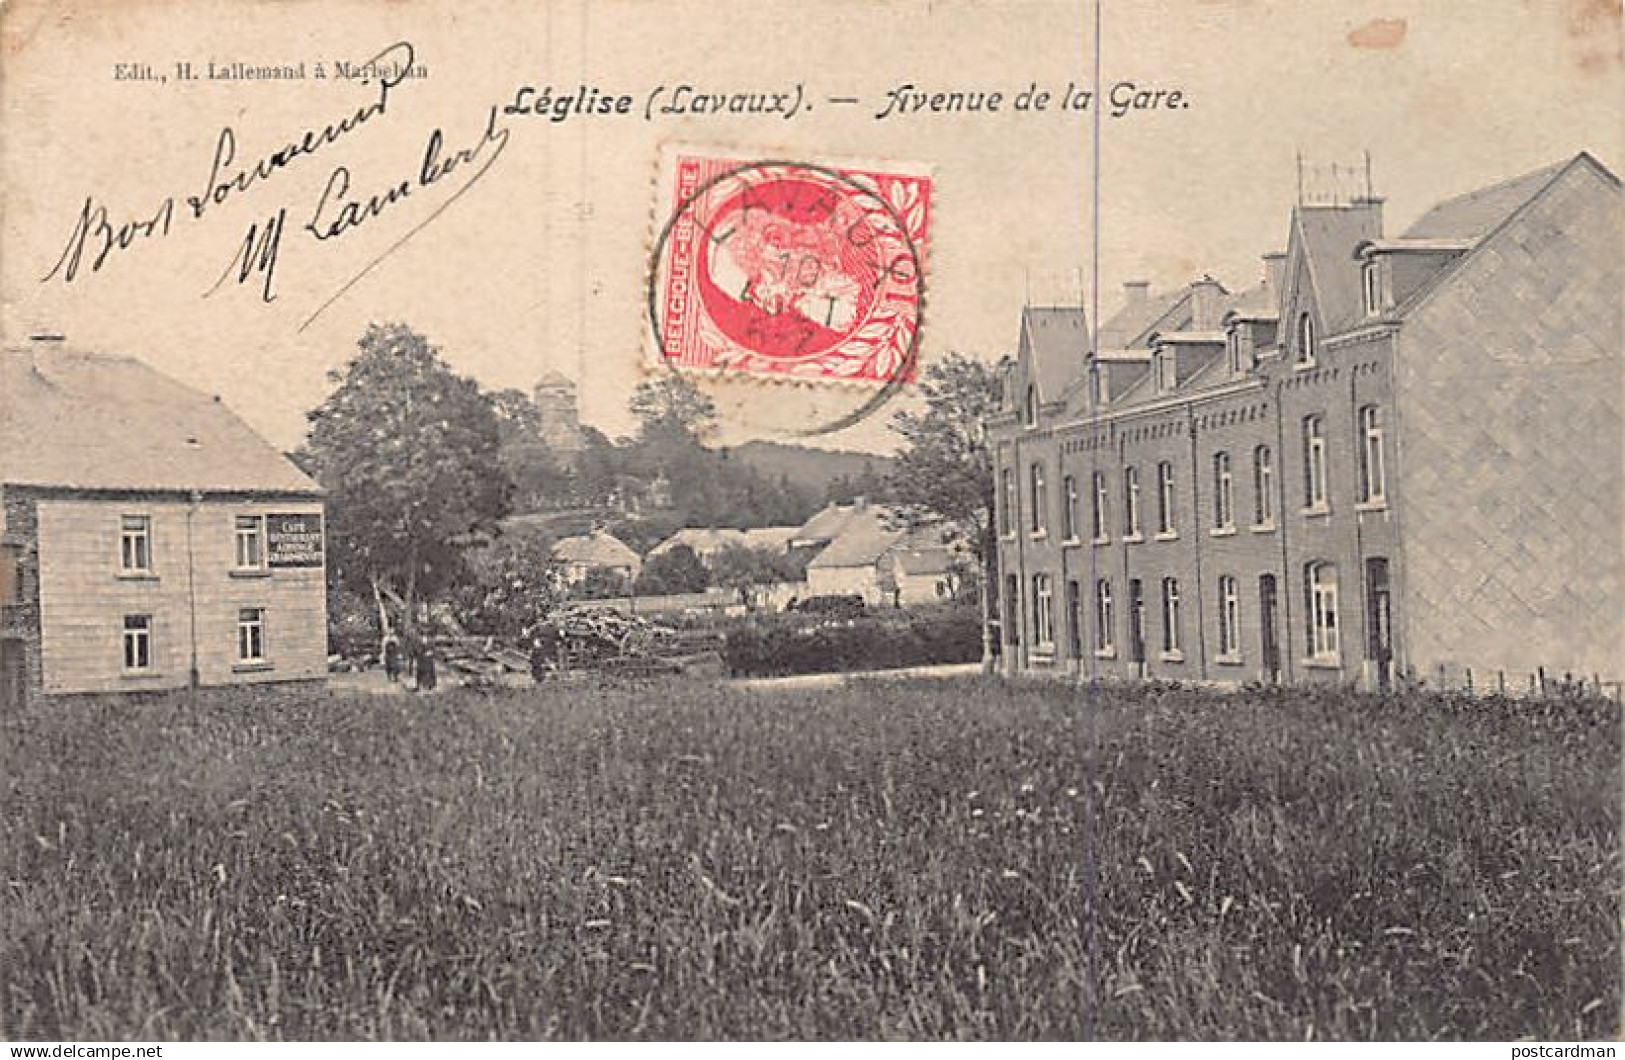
(541, 262)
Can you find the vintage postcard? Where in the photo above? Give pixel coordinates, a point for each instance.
(836, 520)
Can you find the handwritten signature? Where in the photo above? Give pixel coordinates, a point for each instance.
(98, 234)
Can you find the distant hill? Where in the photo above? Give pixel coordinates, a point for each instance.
(807, 467)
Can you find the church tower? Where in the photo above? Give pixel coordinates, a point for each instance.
(557, 402)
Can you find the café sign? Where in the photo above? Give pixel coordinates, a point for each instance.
(294, 540)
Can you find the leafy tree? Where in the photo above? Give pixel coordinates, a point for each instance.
(514, 585)
(671, 409)
(602, 583)
(408, 453)
(943, 477)
(676, 570)
(745, 570)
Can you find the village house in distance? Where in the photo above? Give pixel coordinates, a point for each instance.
(1397, 456)
(149, 539)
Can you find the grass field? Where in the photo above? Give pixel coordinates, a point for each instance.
(963, 859)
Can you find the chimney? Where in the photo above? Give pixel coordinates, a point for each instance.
(1275, 271)
(1135, 292)
(1205, 295)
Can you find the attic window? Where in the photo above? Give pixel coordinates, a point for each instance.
(1032, 405)
(1306, 339)
(1167, 376)
(1233, 347)
(1373, 288)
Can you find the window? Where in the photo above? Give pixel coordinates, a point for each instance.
(1012, 609)
(11, 574)
(1039, 515)
(1372, 276)
(1069, 513)
(1224, 508)
(1373, 487)
(1103, 615)
(1229, 617)
(1043, 612)
(251, 635)
(1165, 498)
(1074, 618)
(1032, 406)
(1263, 486)
(1131, 501)
(1232, 343)
(1007, 507)
(1306, 339)
(1314, 462)
(1102, 517)
(250, 542)
(1170, 616)
(1320, 594)
(1167, 371)
(137, 643)
(135, 544)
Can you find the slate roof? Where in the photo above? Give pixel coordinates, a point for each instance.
(1057, 341)
(1329, 235)
(73, 419)
(1474, 217)
(1477, 213)
(1129, 327)
(826, 523)
(861, 543)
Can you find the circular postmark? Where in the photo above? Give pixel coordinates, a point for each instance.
(773, 271)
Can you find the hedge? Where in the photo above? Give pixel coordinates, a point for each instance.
(783, 646)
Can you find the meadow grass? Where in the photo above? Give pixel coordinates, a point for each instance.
(965, 859)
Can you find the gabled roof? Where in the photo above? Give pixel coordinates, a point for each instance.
(82, 420)
(862, 542)
(1056, 341)
(769, 538)
(1328, 236)
(1131, 325)
(1259, 302)
(1473, 215)
(1498, 205)
(826, 523)
(554, 378)
(701, 539)
(598, 549)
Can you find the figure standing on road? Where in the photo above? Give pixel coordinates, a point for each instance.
(392, 657)
(426, 675)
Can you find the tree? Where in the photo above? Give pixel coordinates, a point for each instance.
(408, 453)
(745, 569)
(943, 477)
(676, 570)
(514, 586)
(671, 409)
(602, 583)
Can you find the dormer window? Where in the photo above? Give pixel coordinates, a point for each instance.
(1233, 347)
(1372, 275)
(1031, 407)
(1167, 374)
(1306, 339)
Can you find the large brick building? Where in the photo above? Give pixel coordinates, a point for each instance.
(1395, 455)
(149, 539)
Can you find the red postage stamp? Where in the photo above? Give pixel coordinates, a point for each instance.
(790, 270)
